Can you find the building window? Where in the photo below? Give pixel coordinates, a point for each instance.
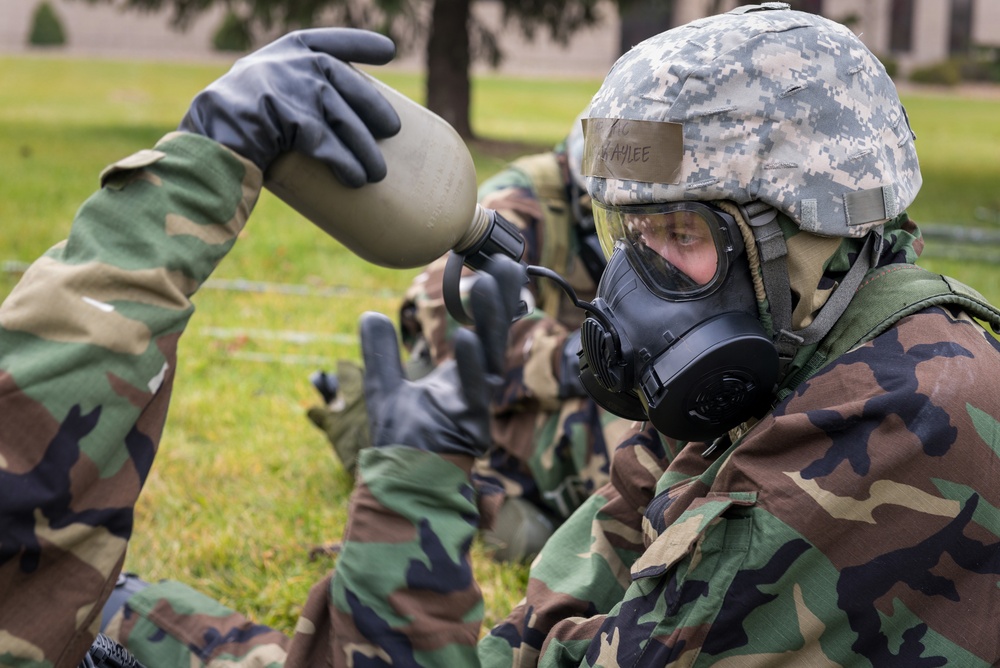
(960, 34)
(811, 6)
(901, 26)
(643, 19)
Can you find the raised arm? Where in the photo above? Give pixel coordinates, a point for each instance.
(88, 338)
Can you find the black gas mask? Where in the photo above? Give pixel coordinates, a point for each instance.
(673, 335)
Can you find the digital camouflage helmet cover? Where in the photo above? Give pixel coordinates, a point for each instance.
(763, 103)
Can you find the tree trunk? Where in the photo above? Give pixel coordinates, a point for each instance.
(449, 86)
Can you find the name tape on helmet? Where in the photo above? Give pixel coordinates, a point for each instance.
(633, 150)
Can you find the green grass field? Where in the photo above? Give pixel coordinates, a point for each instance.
(244, 486)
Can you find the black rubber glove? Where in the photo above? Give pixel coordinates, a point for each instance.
(448, 410)
(299, 94)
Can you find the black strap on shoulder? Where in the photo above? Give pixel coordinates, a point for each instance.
(885, 296)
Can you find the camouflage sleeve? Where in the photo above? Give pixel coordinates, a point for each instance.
(403, 593)
(87, 356)
(534, 364)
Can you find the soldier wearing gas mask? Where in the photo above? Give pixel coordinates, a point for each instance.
(814, 486)
(742, 193)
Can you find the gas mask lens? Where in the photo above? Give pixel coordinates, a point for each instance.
(681, 250)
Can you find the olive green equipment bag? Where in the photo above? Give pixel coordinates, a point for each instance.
(345, 419)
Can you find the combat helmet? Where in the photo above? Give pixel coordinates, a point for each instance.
(769, 109)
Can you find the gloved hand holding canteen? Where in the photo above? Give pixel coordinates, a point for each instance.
(299, 94)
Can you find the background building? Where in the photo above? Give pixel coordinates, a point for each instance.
(914, 33)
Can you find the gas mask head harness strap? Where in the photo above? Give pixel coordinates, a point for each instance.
(772, 252)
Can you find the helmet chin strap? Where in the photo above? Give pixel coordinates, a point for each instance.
(772, 253)
(835, 306)
(771, 257)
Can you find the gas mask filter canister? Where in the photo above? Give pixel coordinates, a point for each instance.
(673, 335)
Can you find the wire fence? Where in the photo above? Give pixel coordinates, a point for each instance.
(973, 244)
(950, 242)
(957, 242)
(968, 244)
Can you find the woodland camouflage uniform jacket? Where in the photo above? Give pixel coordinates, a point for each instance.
(855, 525)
